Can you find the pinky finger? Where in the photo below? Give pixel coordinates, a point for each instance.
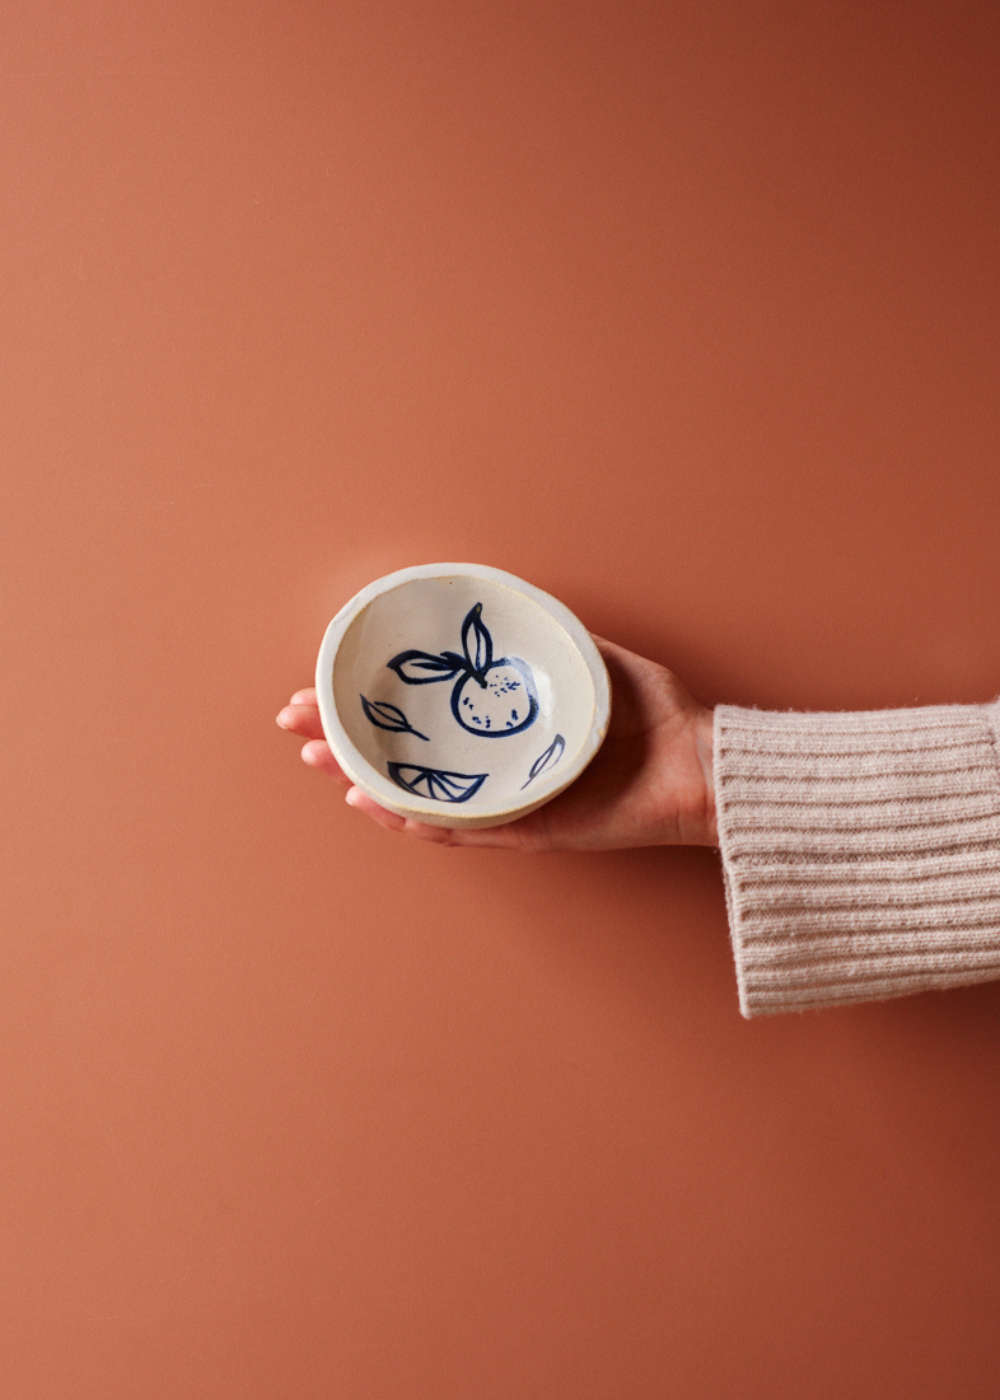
(392, 821)
(362, 803)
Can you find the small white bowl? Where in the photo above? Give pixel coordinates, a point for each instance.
(460, 695)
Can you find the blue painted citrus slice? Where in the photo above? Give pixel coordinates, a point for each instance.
(436, 783)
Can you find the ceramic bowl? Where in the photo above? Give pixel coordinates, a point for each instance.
(460, 695)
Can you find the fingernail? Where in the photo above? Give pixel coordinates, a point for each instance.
(351, 797)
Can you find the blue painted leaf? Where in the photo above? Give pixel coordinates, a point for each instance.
(421, 668)
(476, 641)
(548, 759)
(387, 716)
(436, 783)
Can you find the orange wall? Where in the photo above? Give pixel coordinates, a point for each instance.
(687, 313)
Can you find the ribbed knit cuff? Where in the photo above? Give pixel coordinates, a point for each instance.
(861, 852)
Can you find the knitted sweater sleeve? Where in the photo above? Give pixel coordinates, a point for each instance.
(861, 852)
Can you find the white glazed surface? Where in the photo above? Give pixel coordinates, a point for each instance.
(502, 758)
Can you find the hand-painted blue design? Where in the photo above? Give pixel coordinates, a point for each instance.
(476, 641)
(387, 716)
(436, 783)
(548, 759)
(420, 668)
(490, 698)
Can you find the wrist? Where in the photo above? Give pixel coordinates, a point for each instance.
(705, 752)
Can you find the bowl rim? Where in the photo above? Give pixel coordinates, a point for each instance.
(406, 804)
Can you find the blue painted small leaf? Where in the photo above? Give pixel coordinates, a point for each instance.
(436, 783)
(476, 641)
(546, 760)
(387, 716)
(421, 668)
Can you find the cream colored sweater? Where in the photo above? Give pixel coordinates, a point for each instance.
(861, 852)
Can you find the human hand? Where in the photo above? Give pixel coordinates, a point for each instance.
(650, 783)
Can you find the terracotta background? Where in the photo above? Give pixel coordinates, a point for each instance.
(684, 311)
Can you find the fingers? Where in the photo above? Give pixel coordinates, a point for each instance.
(438, 835)
(498, 837)
(317, 754)
(301, 717)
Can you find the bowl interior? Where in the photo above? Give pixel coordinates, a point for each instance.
(460, 690)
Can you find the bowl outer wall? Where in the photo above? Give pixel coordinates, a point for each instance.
(370, 781)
